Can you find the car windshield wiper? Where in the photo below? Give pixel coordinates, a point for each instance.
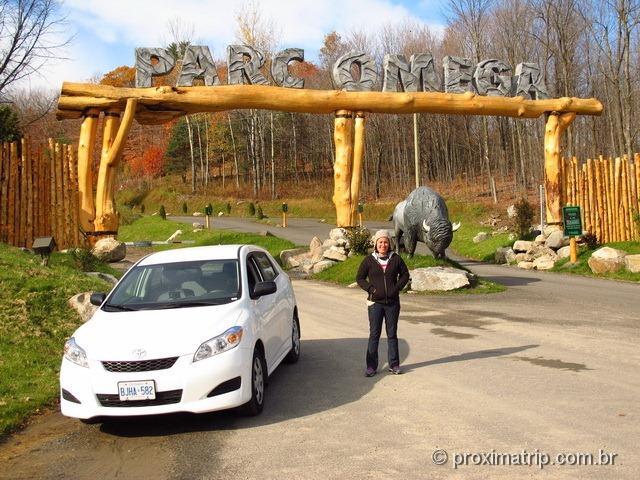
(109, 307)
(202, 303)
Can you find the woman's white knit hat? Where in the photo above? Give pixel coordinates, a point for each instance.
(384, 233)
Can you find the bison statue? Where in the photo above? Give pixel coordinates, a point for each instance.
(423, 217)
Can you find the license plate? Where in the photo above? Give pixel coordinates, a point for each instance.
(137, 390)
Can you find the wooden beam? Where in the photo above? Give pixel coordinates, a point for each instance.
(358, 158)
(87, 209)
(161, 104)
(556, 124)
(114, 138)
(342, 167)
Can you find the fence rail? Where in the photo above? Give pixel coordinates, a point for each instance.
(607, 190)
(38, 194)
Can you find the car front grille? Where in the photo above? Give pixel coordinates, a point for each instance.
(140, 365)
(162, 398)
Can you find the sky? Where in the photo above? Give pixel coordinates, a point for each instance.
(106, 32)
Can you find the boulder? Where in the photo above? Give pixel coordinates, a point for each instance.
(540, 239)
(564, 252)
(196, 225)
(105, 277)
(174, 236)
(538, 251)
(481, 237)
(322, 265)
(438, 278)
(221, 214)
(353, 285)
(315, 245)
(606, 259)
(512, 211)
(557, 240)
(549, 229)
(504, 255)
(525, 265)
(287, 257)
(307, 268)
(632, 263)
(545, 262)
(265, 233)
(329, 243)
(523, 257)
(335, 253)
(336, 233)
(197, 214)
(109, 250)
(522, 246)
(80, 303)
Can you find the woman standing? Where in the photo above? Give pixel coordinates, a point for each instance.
(382, 275)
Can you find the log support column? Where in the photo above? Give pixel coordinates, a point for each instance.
(88, 130)
(342, 167)
(556, 125)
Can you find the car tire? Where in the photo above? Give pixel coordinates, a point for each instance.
(258, 385)
(294, 354)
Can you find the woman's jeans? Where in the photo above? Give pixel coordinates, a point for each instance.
(390, 314)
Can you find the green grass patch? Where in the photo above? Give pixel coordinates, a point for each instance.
(156, 229)
(470, 215)
(344, 273)
(582, 267)
(35, 321)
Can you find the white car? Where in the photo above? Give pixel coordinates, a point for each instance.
(186, 330)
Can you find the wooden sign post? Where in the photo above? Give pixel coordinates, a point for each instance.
(572, 229)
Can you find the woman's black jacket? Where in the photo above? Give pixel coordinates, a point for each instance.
(383, 286)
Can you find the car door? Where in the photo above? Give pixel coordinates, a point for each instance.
(280, 306)
(264, 314)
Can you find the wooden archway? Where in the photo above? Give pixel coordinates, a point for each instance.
(161, 104)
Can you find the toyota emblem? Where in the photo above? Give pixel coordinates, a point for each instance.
(140, 353)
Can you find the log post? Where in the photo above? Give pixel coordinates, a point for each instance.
(13, 189)
(114, 139)
(358, 158)
(600, 222)
(556, 125)
(342, 167)
(86, 144)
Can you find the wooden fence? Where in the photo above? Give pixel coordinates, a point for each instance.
(39, 194)
(607, 190)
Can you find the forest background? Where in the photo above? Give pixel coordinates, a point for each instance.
(586, 48)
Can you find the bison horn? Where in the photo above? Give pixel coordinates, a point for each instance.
(425, 226)
(455, 226)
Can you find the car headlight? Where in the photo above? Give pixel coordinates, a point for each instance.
(228, 340)
(75, 353)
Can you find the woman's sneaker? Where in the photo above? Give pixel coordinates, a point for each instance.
(370, 372)
(395, 370)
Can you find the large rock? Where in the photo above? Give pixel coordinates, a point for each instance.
(549, 229)
(632, 263)
(438, 278)
(335, 253)
(337, 233)
(481, 237)
(538, 251)
(197, 214)
(557, 240)
(606, 259)
(109, 250)
(80, 303)
(525, 265)
(522, 246)
(505, 255)
(545, 262)
(564, 252)
(523, 257)
(322, 265)
(315, 247)
(540, 239)
(329, 243)
(287, 257)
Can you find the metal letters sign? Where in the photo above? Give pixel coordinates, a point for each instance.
(572, 221)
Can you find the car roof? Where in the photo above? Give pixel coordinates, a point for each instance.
(210, 252)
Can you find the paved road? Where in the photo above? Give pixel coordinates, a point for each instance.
(496, 374)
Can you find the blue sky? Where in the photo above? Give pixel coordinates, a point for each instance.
(106, 32)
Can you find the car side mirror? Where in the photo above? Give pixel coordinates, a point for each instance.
(97, 298)
(264, 288)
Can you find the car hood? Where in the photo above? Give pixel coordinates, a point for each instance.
(157, 333)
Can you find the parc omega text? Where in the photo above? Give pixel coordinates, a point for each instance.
(489, 77)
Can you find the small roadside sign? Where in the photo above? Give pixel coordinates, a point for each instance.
(572, 221)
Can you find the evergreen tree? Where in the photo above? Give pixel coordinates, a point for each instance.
(177, 157)
(9, 124)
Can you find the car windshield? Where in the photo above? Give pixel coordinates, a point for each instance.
(177, 285)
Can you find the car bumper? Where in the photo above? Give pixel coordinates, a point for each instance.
(216, 383)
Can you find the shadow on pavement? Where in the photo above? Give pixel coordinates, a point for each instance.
(510, 281)
(330, 373)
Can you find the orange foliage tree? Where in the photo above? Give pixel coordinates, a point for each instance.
(149, 164)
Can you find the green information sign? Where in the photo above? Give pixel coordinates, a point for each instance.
(572, 221)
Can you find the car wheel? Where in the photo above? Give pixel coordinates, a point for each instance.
(294, 354)
(258, 384)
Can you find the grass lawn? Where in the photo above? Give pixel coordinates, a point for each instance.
(344, 273)
(156, 229)
(35, 321)
(582, 267)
